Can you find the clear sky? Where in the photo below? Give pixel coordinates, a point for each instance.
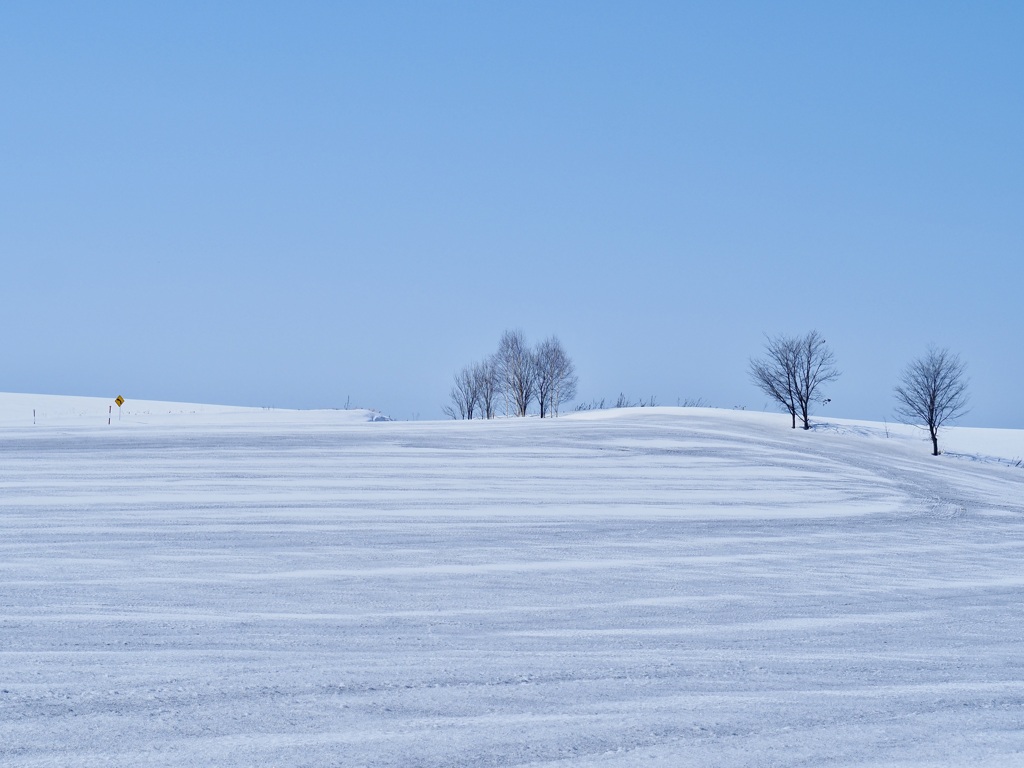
(298, 204)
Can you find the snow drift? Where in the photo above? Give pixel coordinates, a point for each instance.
(201, 585)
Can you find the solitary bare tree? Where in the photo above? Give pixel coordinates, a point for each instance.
(932, 391)
(556, 376)
(793, 371)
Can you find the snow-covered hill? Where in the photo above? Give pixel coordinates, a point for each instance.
(198, 585)
(19, 410)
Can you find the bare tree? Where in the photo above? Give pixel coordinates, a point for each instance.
(556, 376)
(815, 368)
(565, 380)
(793, 371)
(775, 373)
(464, 395)
(932, 390)
(545, 375)
(517, 371)
(487, 386)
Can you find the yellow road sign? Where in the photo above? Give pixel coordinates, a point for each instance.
(119, 400)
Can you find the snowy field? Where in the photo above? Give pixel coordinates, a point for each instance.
(210, 586)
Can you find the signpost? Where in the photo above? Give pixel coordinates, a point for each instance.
(120, 401)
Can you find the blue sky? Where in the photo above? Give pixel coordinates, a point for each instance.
(299, 204)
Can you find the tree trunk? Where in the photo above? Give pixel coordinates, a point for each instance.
(935, 442)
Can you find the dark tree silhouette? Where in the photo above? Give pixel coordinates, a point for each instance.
(815, 367)
(775, 373)
(932, 391)
(793, 371)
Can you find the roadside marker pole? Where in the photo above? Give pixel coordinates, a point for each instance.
(120, 401)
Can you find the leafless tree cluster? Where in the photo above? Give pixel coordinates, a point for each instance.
(932, 391)
(516, 375)
(793, 371)
(473, 392)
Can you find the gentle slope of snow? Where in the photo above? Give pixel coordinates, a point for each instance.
(19, 410)
(666, 587)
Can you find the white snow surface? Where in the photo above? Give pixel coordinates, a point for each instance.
(213, 586)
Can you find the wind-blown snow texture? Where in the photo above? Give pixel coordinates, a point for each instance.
(196, 586)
